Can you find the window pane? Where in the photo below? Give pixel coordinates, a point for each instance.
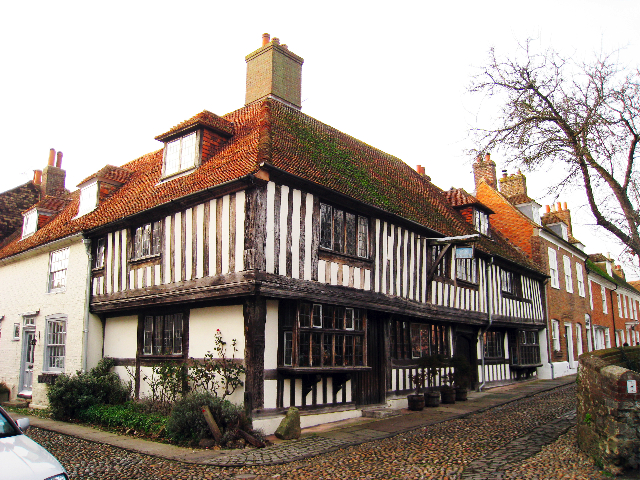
(304, 357)
(172, 157)
(357, 319)
(351, 233)
(348, 350)
(416, 346)
(348, 319)
(157, 335)
(167, 344)
(177, 335)
(363, 237)
(305, 315)
(316, 345)
(339, 318)
(358, 352)
(157, 237)
(288, 348)
(338, 230)
(98, 261)
(317, 315)
(188, 153)
(327, 350)
(148, 335)
(325, 226)
(339, 350)
(327, 316)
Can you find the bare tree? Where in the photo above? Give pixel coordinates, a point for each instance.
(585, 115)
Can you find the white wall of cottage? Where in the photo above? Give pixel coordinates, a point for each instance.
(25, 281)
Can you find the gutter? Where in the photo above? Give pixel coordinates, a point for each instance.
(490, 310)
(45, 246)
(546, 310)
(87, 303)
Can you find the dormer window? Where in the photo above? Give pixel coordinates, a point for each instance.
(88, 199)
(181, 154)
(30, 223)
(481, 221)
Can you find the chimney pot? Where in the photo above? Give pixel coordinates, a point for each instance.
(37, 177)
(59, 160)
(547, 208)
(564, 206)
(559, 206)
(504, 174)
(52, 156)
(276, 41)
(487, 157)
(479, 158)
(265, 39)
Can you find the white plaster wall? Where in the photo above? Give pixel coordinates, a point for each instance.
(121, 337)
(24, 289)
(203, 324)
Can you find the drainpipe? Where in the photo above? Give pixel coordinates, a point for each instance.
(490, 310)
(546, 309)
(613, 316)
(87, 300)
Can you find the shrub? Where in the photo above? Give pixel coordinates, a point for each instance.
(187, 424)
(167, 382)
(70, 395)
(126, 416)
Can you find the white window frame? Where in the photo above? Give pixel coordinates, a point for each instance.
(580, 278)
(179, 146)
(88, 199)
(16, 332)
(30, 223)
(619, 306)
(555, 334)
(568, 278)
(607, 338)
(625, 308)
(603, 291)
(590, 295)
(553, 268)
(55, 343)
(481, 221)
(58, 265)
(579, 339)
(99, 253)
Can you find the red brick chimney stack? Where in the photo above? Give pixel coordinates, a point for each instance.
(485, 170)
(53, 176)
(514, 184)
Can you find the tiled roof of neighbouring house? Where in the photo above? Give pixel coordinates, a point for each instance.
(109, 172)
(458, 197)
(269, 132)
(520, 198)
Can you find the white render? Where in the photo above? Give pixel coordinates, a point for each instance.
(25, 281)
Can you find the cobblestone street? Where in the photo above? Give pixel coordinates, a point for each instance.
(532, 438)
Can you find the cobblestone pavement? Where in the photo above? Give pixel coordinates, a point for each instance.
(504, 443)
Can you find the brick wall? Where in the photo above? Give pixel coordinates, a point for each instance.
(608, 416)
(12, 203)
(514, 184)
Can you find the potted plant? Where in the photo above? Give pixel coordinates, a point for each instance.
(462, 376)
(416, 400)
(447, 391)
(431, 365)
(5, 392)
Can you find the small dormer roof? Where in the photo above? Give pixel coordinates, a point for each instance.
(110, 174)
(204, 119)
(521, 199)
(459, 198)
(50, 205)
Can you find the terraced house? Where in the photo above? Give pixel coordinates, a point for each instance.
(334, 265)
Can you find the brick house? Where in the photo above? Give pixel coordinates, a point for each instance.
(334, 266)
(548, 241)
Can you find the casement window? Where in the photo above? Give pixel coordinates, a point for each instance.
(553, 268)
(624, 306)
(590, 286)
(467, 270)
(510, 282)
(55, 343)
(568, 279)
(30, 223)
(619, 306)
(344, 232)
(16, 331)
(524, 347)
(321, 336)
(98, 252)
(427, 339)
(443, 268)
(88, 199)
(580, 278)
(163, 334)
(481, 221)
(603, 292)
(493, 344)
(147, 241)
(58, 263)
(555, 334)
(181, 154)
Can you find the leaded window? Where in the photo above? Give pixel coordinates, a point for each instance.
(428, 339)
(322, 335)
(467, 270)
(443, 268)
(98, 256)
(163, 334)
(344, 232)
(181, 154)
(481, 221)
(493, 345)
(147, 240)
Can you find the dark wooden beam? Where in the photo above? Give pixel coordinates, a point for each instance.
(255, 317)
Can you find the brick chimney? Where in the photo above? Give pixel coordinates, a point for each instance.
(53, 176)
(274, 72)
(514, 184)
(617, 269)
(485, 170)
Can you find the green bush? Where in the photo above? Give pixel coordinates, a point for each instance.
(70, 395)
(127, 415)
(187, 424)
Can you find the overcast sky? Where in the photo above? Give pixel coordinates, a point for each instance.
(99, 81)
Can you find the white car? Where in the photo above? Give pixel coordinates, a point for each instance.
(23, 459)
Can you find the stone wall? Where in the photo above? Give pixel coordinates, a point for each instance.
(608, 415)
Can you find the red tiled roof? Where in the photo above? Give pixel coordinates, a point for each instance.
(51, 203)
(204, 119)
(598, 257)
(269, 132)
